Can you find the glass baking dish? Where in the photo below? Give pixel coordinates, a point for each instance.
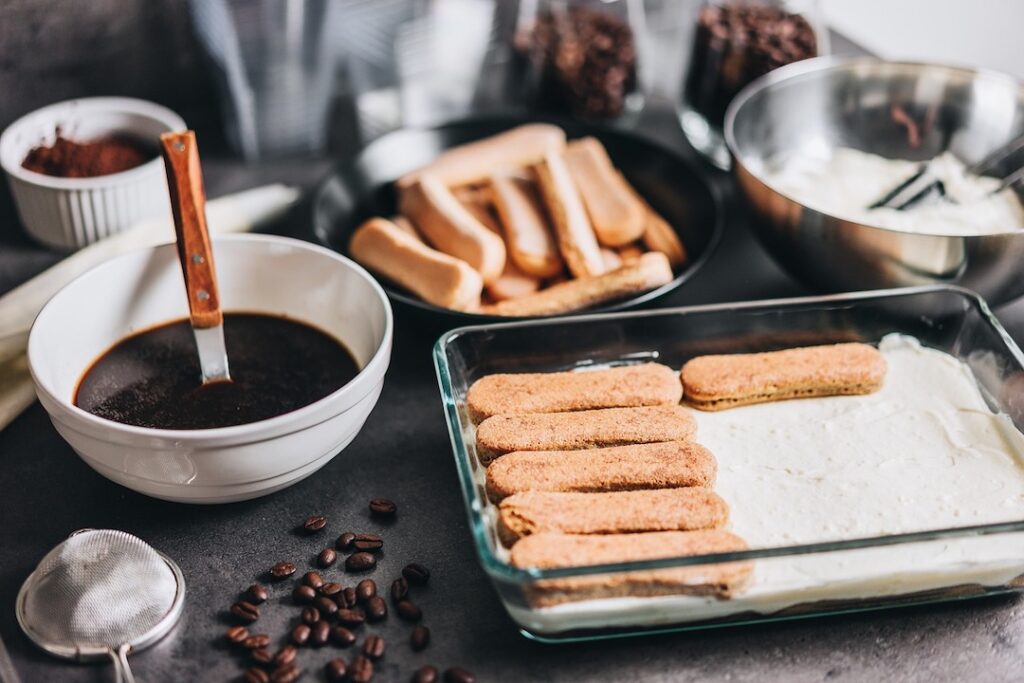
(847, 575)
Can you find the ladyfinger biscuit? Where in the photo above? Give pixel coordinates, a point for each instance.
(650, 271)
(612, 260)
(618, 512)
(582, 429)
(513, 284)
(406, 226)
(658, 235)
(553, 392)
(473, 162)
(615, 212)
(576, 240)
(480, 208)
(437, 278)
(720, 382)
(630, 252)
(450, 228)
(531, 246)
(555, 550)
(669, 464)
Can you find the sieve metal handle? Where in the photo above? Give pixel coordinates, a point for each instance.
(122, 672)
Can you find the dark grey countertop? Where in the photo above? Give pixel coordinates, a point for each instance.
(403, 453)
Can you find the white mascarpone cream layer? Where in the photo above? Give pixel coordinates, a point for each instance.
(924, 452)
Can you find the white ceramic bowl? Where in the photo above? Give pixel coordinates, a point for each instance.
(256, 273)
(69, 213)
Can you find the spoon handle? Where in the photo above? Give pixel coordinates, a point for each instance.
(188, 204)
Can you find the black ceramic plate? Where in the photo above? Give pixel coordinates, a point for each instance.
(364, 188)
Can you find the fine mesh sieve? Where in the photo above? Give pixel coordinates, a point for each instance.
(101, 593)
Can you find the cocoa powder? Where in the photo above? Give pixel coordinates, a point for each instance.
(70, 159)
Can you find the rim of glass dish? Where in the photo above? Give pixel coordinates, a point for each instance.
(502, 569)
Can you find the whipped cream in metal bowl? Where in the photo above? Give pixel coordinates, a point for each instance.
(844, 182)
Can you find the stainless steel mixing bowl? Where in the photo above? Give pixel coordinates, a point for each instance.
(898, 110)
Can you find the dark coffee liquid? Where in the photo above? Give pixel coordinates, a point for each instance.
(153, 379)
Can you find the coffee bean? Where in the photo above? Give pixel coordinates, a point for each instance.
(420, 638)
(360, 562)
(336, 670)
(426, 674)
(314, 524)
(330, 589)
(344, 542)
(326, 606)
(262, 656)
(399, 589)
(288, 673)
(361, 670)
(349, 596)
(282, 570)
(257, 594)
(366, 589)
(368, 542)
(256, 675)
(383, 508)
(342, 637)
(300, 634)
(310, 615)
(236, 634)
(320, 633)
(257, 641)
(303, 595)
(286, 655)
(327, 557)
(245, 611)
(373, 646)
(351, 617)
(313, 579)
(458, 675)
(376, 609)
(416, 574)
(408, 610)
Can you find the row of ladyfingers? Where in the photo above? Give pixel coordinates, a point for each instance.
(522, 223)
(578, 460)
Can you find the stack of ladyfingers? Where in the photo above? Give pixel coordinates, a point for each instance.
(523, 223)
(603, 466)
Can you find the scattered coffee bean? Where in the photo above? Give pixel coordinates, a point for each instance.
(420, 638)
(383, 508)
(282, 570)
(314, 524)
(366, 589)
(342, 637)
(458, 675)
(344, 542)
(310, 615)
(326, 606)
(349, 596)
(320, 633)
(286, 674)
(262, 656)
(313, 579)
(246, 611)
(373, 646)
(360, 562)
(256, 675)
(300, 634)
(286, 655)
(257, 641)
(376, 609)
(303, 595)
(257, 594)
(336, 670)
(351, 617)
(416, 574)
(426, 674)
(327, 557)
(361, 670)
(399, 589)
(236, 634)
(408, 610)
(330, 589)
(368, 542)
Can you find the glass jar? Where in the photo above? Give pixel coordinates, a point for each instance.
(735, 42)
(582, 57)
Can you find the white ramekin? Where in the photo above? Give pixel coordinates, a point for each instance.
(69, 213)
(256, 273)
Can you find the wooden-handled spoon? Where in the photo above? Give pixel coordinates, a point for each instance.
(188, 204)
